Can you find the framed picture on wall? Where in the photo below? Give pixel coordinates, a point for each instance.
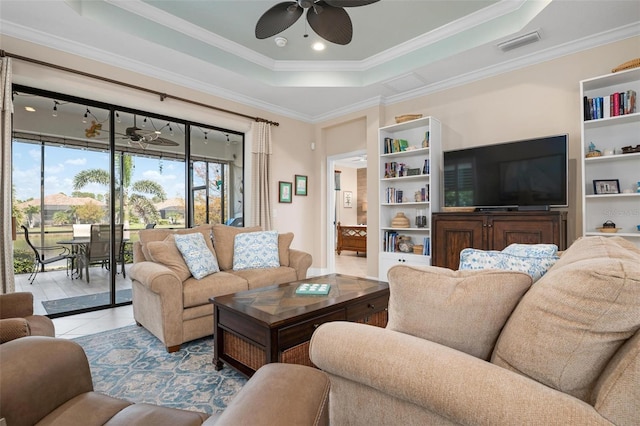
(347, 199)
(284, 192)
(301, 185)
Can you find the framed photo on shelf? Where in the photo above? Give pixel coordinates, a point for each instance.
(284, 192)
(607, 186)
(301, 185)
(347, 199)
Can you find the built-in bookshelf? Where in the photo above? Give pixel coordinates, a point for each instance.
(409, 185)
(611, 154)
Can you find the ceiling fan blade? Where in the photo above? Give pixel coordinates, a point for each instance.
(277, 19)
(350, 3)
(331, 23)
(161, 142)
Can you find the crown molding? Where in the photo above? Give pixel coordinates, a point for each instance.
(586, 43)
(78, 49)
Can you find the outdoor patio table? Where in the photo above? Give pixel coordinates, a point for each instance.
(75, 244)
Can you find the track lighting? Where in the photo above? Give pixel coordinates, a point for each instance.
(144, 122)
(118, 117)
(205, 138)
(55, 109)
(86, 114)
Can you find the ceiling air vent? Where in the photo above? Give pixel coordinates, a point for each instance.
(519, 41)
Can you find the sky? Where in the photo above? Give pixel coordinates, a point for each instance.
(62, 164)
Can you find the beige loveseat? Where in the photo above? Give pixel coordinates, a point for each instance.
(489, 348)
(175, 306)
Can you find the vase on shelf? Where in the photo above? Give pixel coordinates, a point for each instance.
(400, 221)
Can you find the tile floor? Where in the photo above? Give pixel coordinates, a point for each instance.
(79, 325)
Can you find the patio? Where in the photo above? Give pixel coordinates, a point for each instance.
(55, 284)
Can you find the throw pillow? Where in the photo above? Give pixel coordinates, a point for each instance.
(569, 325)
(254, 250)
(480, 259)
(284, 242)
(196, 254)
(223, 241)
(166, 252)
(464, 310)
(531, 250)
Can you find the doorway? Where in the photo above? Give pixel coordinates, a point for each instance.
(348, 205)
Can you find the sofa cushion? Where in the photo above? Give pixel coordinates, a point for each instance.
(257, 278)
(535, 266)
(196, 254)
(159, 234)
(223, 239)
(569, 325)
(255, 250)
(284, 242)
(166, 252)
(198, 292)
(464, 310)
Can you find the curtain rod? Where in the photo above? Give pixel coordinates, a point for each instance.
(162, 96)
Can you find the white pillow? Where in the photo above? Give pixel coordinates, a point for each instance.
(479, 259)
(196, 254)
(253, 250)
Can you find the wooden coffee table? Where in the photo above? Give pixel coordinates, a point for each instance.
(274, 324)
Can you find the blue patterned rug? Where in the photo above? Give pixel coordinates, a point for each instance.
(132, 364)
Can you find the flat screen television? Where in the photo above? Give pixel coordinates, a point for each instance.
(530, 173)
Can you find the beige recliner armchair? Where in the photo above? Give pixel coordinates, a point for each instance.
(46, 380)
(17, 318)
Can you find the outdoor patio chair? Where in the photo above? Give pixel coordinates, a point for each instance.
(41, 259)
(97, 251)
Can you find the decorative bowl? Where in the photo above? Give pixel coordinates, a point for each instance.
(407, 117)
(608, 230)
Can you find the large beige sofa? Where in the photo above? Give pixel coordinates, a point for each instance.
(489, 348)
(175, 306)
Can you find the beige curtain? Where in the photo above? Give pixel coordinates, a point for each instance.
(6, 246)
(261, 175)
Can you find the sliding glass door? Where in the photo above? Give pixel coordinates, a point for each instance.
(87, 177)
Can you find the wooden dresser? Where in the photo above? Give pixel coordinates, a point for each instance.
(453, 232)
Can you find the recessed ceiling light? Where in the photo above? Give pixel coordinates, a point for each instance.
(30, 109)
(318, 46)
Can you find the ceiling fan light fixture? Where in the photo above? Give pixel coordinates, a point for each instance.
(318, 46)
(280, 41)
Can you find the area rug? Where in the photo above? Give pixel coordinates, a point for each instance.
(87, 301)
(132, 364)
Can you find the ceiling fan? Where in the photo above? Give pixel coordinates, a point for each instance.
(326, 17)
(142, 138)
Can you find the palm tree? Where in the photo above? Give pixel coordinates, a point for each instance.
(132, 197)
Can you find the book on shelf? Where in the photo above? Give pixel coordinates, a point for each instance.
(618, 103)
(392, 146)
(389, 241)
(426, 246)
